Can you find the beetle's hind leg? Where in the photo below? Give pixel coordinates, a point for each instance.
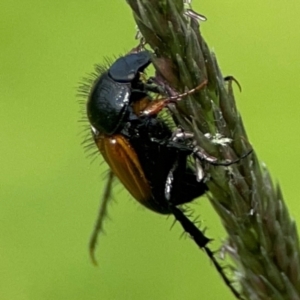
(101, 216)
(202, 241)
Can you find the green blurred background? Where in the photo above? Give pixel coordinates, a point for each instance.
(50, 191)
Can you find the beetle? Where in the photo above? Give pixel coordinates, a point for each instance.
(140, 148)
(124, 124)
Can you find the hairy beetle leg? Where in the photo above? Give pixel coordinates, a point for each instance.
(201, 241)
(101, 216)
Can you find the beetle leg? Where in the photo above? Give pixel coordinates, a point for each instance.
(190, 13)
(148, 87)
(197, 88)
(189, 227)
(203, 156)
(173, 144)
(201, 241)
(200, 153)
(156, 106)
(200, 174)
(230, 78)
(101, 216)
(161, 88)
(170, 181)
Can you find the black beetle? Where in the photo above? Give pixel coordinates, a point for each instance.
(130, 137)
(139, 146)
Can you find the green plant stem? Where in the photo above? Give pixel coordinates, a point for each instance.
(262, 237)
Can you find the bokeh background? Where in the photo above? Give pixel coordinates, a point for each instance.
(50, 190)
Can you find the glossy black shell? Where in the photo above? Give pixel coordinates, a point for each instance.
(158, 160)
(114, 90)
